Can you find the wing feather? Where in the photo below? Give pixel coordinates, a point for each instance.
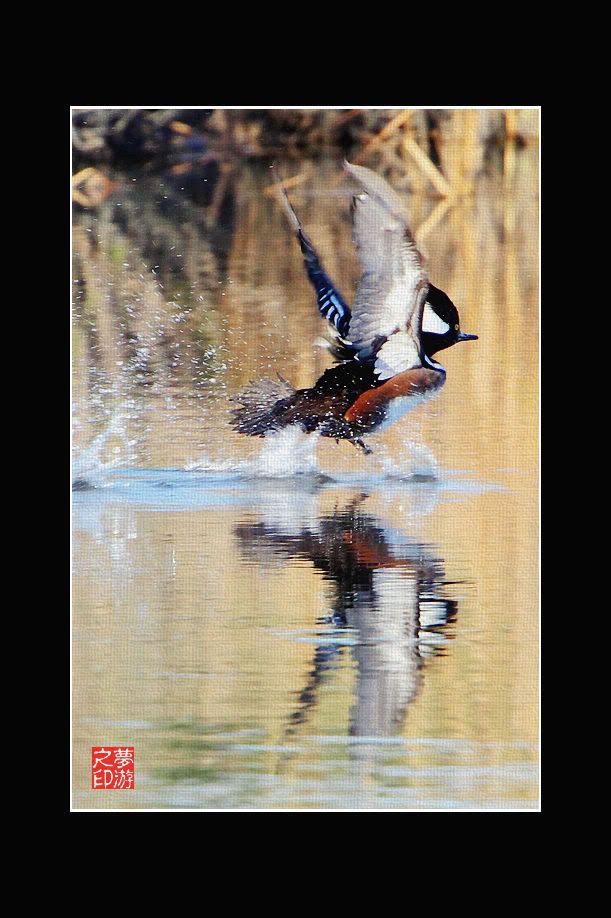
(390, 297)
(331, 303)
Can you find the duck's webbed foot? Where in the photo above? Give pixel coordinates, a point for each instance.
(358, 442)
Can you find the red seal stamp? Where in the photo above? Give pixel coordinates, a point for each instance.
(112, 767)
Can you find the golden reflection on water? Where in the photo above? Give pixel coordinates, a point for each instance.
(204, 629)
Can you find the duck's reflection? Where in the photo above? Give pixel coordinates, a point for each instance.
(387, 604)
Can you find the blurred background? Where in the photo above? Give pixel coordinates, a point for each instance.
(364, 632)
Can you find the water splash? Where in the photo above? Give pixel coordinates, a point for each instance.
(285, 453)
(419, 465)
(91, 464)
(414, 476)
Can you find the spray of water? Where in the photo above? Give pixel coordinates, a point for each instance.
(108, 450)
(285, 453)
(416, 462)
(291, 453)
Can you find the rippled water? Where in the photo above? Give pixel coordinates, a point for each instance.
(285, 622)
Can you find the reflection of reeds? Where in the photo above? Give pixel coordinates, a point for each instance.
(449, 146)
(145, 289)
(447, 152)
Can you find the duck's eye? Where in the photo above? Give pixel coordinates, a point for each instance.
(457, 327)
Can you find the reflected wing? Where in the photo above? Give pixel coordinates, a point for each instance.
(387, 311)
(388, 663)
(331, 304)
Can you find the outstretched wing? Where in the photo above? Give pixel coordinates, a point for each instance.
(331, 304)
(387, 312)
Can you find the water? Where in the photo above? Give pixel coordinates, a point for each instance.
(286, 622)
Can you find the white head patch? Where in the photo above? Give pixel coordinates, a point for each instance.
(432, 323)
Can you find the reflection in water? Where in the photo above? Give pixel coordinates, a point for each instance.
(211, 647)
(386, 604)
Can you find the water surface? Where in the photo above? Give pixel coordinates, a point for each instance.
(283, 623)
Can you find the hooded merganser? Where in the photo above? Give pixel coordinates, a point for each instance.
(384, 344)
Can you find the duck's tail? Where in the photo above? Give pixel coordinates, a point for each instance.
(262, 407)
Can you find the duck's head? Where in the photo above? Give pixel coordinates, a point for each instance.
(441, 323)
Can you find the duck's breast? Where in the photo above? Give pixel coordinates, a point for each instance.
(380, 407)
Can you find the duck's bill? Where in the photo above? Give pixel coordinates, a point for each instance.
(463, 337)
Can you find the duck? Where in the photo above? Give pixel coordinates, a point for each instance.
(383, 346)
